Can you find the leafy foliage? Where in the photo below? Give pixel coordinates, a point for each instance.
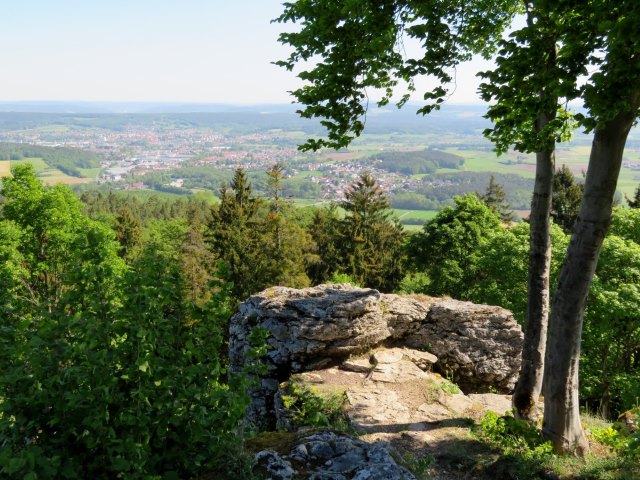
(446, 246)
(106, 370)
(310, 408)
(359, 47)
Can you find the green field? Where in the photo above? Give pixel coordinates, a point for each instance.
(53, 175)
(423, 215)
(487, 161)
(37, 163)
(5, 168)
(90, 172)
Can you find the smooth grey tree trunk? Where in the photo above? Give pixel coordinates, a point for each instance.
(561, 408)
(529, 384)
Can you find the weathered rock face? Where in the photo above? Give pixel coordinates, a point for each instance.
(477, 345)
(331, 456)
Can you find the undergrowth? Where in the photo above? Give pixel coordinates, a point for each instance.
(308, 407)
(525, 455)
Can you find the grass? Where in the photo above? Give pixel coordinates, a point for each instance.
(5, 168)
(487, 161)
(37, 163)
(423, 215)
(90, 172)
(523, 454)
(52, 176)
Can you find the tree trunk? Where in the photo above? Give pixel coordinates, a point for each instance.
(561, 409)
(529, 383)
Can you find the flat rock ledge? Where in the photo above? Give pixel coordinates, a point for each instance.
(477, 346)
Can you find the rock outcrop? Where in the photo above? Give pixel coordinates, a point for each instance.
(478, 346)
(332, 456)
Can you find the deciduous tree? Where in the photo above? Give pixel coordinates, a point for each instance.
(355, 42)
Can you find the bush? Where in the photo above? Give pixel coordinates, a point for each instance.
(307, 407)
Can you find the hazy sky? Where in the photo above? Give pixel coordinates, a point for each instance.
(150, 50)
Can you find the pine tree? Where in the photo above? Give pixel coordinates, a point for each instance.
(494, 198)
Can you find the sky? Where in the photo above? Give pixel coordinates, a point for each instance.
(185, 51)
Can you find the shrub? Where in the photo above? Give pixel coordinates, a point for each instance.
(308, 407)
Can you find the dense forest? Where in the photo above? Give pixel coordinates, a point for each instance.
(115, 310)
(412, 163)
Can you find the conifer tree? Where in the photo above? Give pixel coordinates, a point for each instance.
(286, 246)
(128, 233)
(234, 236)
(565, 202)
(324, 232)
(494, 198)
(635, 201)
(370, 240)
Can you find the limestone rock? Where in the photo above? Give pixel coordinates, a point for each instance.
(478, 345)
(273, 465)
(401, 371)
(357, 365)
(387, 356)
(332, 456)
(500, 404)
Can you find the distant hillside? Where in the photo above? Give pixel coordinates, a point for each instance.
(67, 160)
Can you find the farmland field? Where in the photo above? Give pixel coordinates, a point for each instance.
(4, 168)
(52, 176)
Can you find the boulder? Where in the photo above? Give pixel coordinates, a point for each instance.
(478, 346)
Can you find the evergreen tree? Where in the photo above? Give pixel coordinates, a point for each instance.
(494, 198)
(286, 246)
(324, 230)
(567, 195)
(236, 237)
(370, 240)
(635, 201)
(128, 233)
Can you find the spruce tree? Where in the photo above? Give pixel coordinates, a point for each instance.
(286, 246)
(128, 233)
(494, 198)
(370, 240)
(567, 195)
(235, 237)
